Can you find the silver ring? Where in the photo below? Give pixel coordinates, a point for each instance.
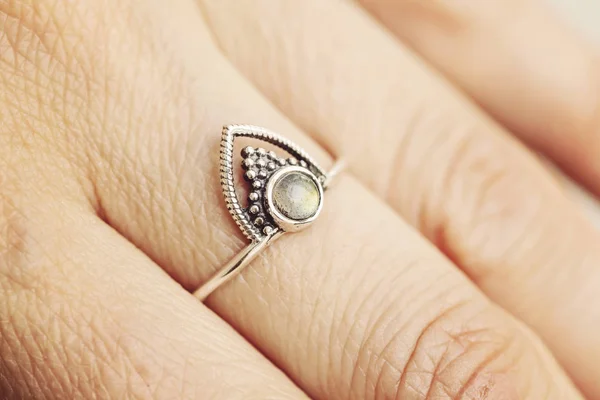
(286, 194)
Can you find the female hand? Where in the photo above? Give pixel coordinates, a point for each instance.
(110, 114)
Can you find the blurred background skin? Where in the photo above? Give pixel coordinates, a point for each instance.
(585, 16)
(582, 13)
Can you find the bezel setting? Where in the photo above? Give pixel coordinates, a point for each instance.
(284, 222)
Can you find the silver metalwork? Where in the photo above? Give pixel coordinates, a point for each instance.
(262, 221)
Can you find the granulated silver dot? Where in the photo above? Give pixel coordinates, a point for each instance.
(271, 166)
(292, 161)
(248, 163)
(254, 209)
(259, 221)
(251, 174)
(257, 184)
(254, 196)
(247, 151)
(260, 151)
(272, 154)
(267, 230)
(303, 163)
(262, 173)
(282, 161)
(261, 163)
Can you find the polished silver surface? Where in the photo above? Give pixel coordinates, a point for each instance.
(286, 194)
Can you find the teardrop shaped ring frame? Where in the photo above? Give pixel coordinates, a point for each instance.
(259, 240)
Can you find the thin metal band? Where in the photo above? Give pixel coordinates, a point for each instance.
(245, 257)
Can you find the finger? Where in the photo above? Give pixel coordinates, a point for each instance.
(521, 63)
(84, 314)
(343, 320)
(474, 192)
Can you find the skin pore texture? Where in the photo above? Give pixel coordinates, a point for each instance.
(446, 263)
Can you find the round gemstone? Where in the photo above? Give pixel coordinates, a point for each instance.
(296, 196)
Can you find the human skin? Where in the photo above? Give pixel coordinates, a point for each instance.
(447, 261)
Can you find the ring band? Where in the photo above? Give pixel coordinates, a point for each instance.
(286, 195)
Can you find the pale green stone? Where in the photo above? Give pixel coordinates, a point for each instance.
(296, 196)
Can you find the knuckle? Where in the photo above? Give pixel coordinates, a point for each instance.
(17, 243)
(33, 39)
(488, 204)
(458, 353)
(54, 84)
(44, 71)
(53, 323)
(31, 189)
(43, 33)
(56, 320)
(44, 336)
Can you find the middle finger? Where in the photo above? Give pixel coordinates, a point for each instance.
(358, 306)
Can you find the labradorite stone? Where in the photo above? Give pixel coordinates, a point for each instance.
(296, 196)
